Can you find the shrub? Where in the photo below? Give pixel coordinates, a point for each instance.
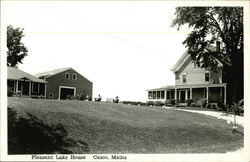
(136, 103)
(71, 97)
(222, 106)
(189, 101)
(201, 102)
(158, 103)
(149, 103)
(170, 102)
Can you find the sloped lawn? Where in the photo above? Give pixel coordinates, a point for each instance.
(94, 127)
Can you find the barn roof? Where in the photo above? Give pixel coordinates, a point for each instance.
(52, 72)
(17, 74)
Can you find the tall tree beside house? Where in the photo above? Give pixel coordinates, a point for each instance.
(16, 49)
(216, 25)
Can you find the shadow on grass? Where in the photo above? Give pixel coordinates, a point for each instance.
(237, 131)
(30, 135)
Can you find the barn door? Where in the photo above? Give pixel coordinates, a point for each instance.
(66, 93)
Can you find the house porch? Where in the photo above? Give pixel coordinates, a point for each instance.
(213, 93)
(26, 88)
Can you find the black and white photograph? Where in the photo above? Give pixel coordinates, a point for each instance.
(124, 80)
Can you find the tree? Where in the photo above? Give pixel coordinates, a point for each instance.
(16, 49)
(209, 26)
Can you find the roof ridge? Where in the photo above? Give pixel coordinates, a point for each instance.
(52, 72)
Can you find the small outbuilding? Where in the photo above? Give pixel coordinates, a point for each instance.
(23, 84)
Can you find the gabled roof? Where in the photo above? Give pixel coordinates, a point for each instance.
(52, 72)
(17, 74)
(186, 56)
(180, 62)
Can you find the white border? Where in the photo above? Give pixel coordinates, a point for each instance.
(245, 156)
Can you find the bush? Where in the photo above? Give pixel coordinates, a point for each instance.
(158, 103)
(189, 101)
(239, 107)
(222, 106)
(71, 97)
(155, 103)
(170, 102)
(150, 103)
(135, 103)
(201, 102)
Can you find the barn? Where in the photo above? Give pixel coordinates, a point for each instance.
(65, 83)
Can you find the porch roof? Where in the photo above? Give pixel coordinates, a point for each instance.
(16, 74)
(171, 87)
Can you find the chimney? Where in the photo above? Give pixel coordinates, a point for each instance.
(218, 46)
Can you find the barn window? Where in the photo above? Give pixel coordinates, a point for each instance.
(66, 75)
(74, 76)
(184, 78)
(206, 77)
(51, 95)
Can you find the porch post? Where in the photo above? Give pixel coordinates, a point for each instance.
(30, 88)
(225, 94)
(45, 87)
(179, 96)
(16, 86)
(207, 95)
(186, 94)
(191, 93)
(165, 94)
(175, 94)
(21, 88)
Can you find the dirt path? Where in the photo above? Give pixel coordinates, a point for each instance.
(220, 115)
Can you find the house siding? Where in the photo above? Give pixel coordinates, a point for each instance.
(196, 75)
(83, 86)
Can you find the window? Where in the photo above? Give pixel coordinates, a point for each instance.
(150, 95)
(66, 75)
(74, 76)
(162, 94)
(205, 93)
(206, 77)
(19, 86)
(158, 94)
(154, 94)
(35, 87)
(168, 94)
(50, 95)
(184, 79)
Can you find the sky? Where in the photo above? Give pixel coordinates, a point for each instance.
(124, 48)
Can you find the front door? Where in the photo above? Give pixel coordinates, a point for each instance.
(66, 93)
(26, 88)
(183, 96)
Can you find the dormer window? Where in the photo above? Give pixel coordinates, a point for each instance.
(207, 77)
(74, 76)
(66, 75)
(184, 78)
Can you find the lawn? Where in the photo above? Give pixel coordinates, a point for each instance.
(53, 126)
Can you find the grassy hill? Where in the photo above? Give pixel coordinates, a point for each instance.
(52, 126)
